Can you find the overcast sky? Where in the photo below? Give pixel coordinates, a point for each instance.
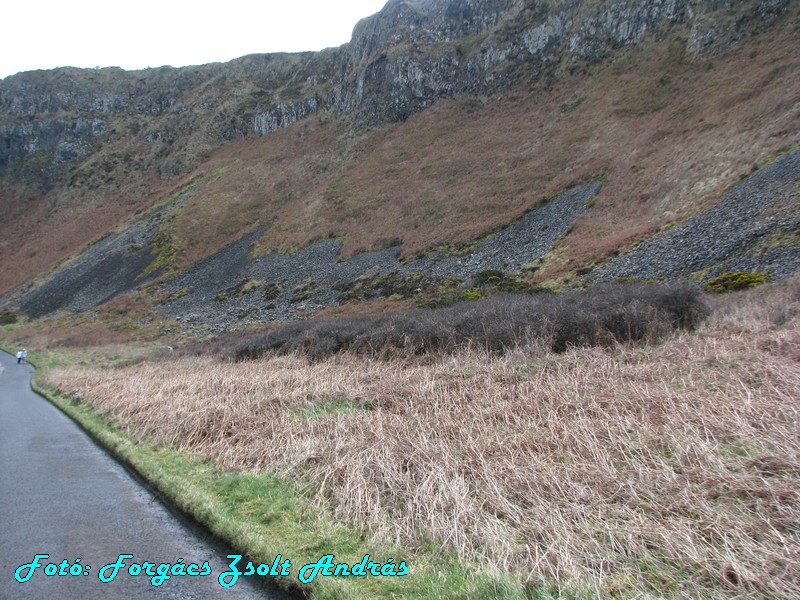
(44, 34)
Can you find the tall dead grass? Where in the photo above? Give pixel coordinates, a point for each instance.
(668, 471)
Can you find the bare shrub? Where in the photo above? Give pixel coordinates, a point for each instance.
(606, 314)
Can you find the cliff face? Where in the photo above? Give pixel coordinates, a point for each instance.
(400, 61)
(416, 52)
(172, 116)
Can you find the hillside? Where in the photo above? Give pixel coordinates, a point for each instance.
(447, 138)
(395, 298)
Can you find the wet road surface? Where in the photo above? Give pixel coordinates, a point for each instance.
(61, 495)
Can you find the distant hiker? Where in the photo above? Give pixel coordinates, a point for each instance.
(24, 355)
(19, 356)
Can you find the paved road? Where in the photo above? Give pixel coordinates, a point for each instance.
(61, 495)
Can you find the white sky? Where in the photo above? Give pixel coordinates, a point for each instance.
(44, 34)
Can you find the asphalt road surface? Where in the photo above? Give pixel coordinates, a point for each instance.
(62, 495)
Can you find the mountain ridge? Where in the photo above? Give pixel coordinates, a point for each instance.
(399, 61)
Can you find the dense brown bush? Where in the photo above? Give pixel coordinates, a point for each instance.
(605, 314)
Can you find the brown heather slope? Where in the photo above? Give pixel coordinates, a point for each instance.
(36, 234)
(667, 135)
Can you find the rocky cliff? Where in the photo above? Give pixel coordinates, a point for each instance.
(400, 61)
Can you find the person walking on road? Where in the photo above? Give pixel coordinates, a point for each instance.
(19, 356)
(24, 355)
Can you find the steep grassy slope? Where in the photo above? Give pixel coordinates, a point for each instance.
(667, 135)
(665, 129)
(83, 150)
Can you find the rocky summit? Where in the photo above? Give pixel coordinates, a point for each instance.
(555, 143)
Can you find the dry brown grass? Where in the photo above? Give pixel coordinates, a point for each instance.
(125, 320)
(671, 470)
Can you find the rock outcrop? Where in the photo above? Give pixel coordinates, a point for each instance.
(399, 61)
